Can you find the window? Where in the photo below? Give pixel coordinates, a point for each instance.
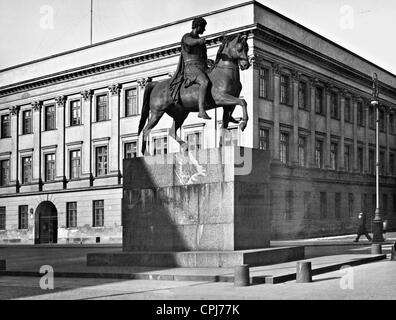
(351, 204)
(371, 168)
(347, 110)
(102, 112)
(50, 167)
(302, 95)
(307, 205)
(319, 108)
(50, 123)
(5, 126)
(130, 150)
(27, 122)
(391, 164)
(5, 172)
(160, 145)
(373, 202)
(360, 114)
(371, 117)
(391, 123)
(385, 204)
(26, 169)
(302, 151)
(98, 213)
(2, 218)
(337, 205)
(289, 205)
(382, 120)
(71, 215)
(230, 138)
(194, 141)
(360, 159)
(75, 113)
(284, 89)
(394, 204)
(131, 105)
(323, 205)
(333, 156)
(264, 139)
(284, 147)
(23, 217)
(382, 163)
(363, 204)
(347, 157)
(101, 161)
(75, 164)
(334, 105)
(264, 83)
(319, 153)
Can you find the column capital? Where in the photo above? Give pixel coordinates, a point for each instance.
(114, 89)
(313, 82)
(343, 93)
(142, 82)
(14, 110)
(296, 75)
(276, 67)
(61, 100)
(87, 94)
(37, 105)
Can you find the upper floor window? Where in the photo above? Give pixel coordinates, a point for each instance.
(264, 83)
(50, 120)
(50, 167)
(5, 126)
(263, 139)
(160, 145)
(75, 164)
(284, 147)
(371, 162)
(102, 109)
(319, 106)
(347, 110)
(302, 151)
(284, 89)
(27, 122)
(101, 161)
(4, 172)
(26, 169)
(347, 157)
(382, 162)
(75, 112)
(360, 159)
(372, 117)
(303, 95)
(360, 114)
(194, 141)
(319, 153)
(333, 156)
(2, 218)
(382, 120)
(334, 105)
(392, 165)
(130, 150)
(131, 105)
(391, 123)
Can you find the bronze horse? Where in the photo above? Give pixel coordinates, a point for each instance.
(225, 89)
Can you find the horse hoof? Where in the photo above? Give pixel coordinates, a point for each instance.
(204, 116)
(242, 125)
(231, 119)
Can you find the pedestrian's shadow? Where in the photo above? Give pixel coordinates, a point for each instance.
(326, 279)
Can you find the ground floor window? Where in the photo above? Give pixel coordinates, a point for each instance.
(2, 218)
(71, 214)
(98, 213)
(23, 217)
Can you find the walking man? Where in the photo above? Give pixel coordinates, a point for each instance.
(362, 227)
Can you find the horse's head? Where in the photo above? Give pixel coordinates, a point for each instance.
(236, 48)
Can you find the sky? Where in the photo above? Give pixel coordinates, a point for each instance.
(32, 29)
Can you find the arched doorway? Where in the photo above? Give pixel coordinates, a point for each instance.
(46, 223)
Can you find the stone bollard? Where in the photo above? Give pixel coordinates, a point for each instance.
(304, 272)
(2, 265)
(241, 276)
(376, 248)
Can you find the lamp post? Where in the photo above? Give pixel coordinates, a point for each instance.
(377, 222)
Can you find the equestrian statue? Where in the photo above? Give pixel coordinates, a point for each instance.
(197, 87)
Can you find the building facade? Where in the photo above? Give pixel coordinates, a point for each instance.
(68, 121)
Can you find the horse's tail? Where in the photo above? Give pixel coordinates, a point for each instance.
(146, 106)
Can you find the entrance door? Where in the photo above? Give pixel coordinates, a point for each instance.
(47, 222)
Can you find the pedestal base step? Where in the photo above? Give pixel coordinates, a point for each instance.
(198, 259)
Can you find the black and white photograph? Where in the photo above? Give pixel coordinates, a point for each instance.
(195, 155)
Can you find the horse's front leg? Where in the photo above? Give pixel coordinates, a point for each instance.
(225, 99)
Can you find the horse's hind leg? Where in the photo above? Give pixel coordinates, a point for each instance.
(178, 119)
(155, 117)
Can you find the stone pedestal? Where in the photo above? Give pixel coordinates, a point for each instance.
(203, 209)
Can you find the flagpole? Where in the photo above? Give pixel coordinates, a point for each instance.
(91, 22)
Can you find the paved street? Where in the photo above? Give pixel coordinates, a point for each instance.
(371, 281)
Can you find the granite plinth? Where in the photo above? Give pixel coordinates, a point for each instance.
(256, 257)
(211, 200)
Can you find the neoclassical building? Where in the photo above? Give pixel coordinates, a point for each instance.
(68, 121)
